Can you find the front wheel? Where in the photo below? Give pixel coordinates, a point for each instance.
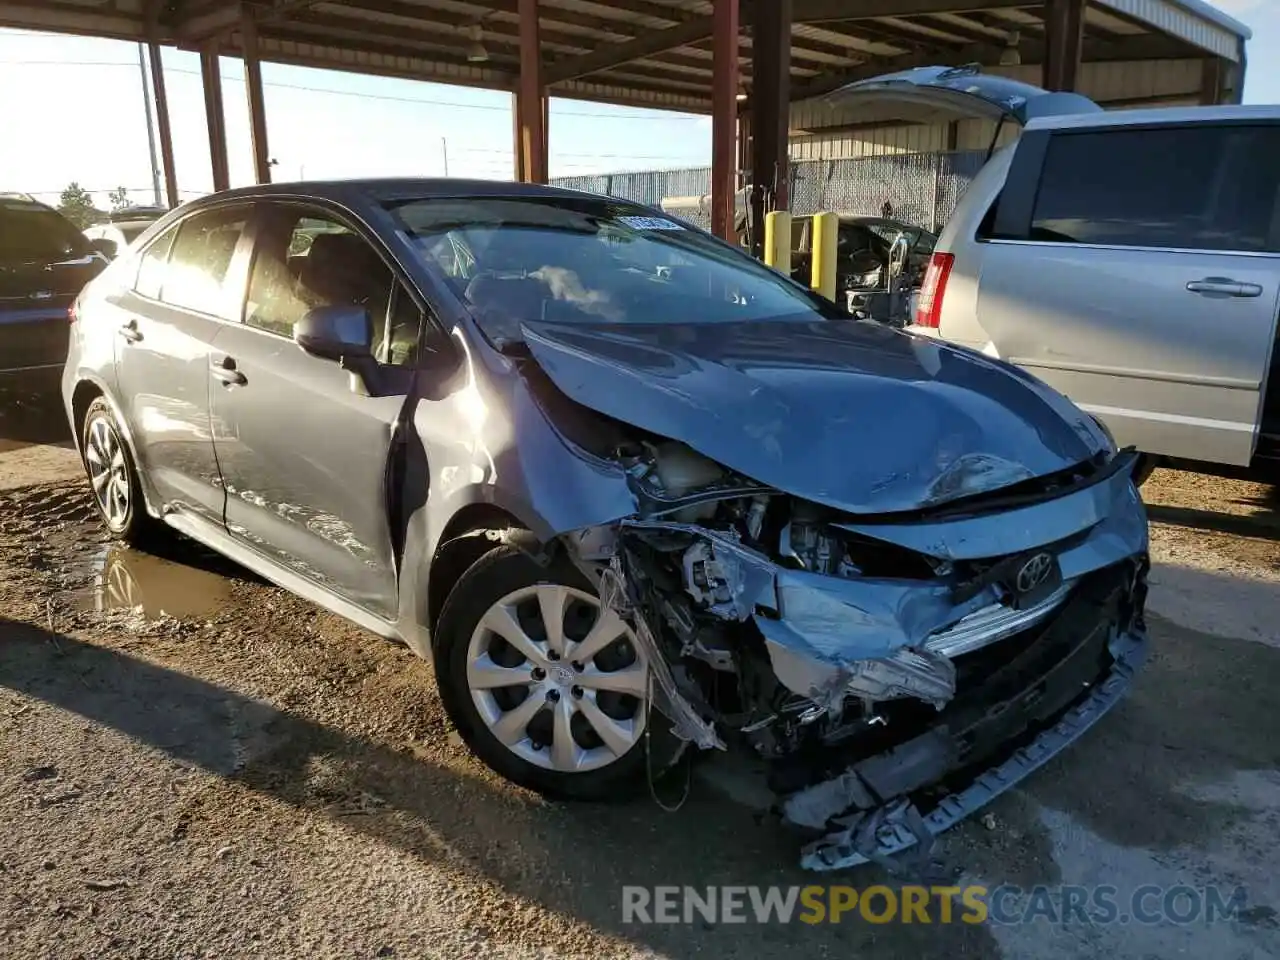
(546, 685)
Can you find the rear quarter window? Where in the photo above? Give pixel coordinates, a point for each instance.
(1207, 187)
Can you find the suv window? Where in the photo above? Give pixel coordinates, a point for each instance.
(201, 254)
(1203, 187)
(31, 233)
(155, 260)
(306, 260)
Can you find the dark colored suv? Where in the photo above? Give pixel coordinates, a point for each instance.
(44, 262)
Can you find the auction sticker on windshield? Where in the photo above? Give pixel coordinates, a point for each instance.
(650, 223)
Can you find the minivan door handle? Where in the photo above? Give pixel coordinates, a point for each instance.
(1224, 287)
(224, 368)
(130, 332)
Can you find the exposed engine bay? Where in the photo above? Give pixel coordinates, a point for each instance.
(858, 659)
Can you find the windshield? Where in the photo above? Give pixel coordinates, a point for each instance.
(34, 234)
(591, 260)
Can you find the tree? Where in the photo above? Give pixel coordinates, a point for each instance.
(119, 198)
(76, 204)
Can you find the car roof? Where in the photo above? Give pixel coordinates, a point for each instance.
(1157, 115)
(382, 190)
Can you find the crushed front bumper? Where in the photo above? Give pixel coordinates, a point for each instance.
(989, 739)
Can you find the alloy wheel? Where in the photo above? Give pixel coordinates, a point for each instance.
(558, 679)
(105, 458)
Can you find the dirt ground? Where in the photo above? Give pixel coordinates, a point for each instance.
(196, 764)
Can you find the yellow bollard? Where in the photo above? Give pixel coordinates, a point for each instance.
(826, 228)
(777, 241)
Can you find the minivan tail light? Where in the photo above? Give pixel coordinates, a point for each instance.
(73, 311)
(929, 302)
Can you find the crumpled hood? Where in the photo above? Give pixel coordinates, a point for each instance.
(846, 413)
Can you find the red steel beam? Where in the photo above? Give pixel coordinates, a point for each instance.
(1064, 43)
(161, 98)
(215, 118)
(253, 93)
(724, 116)
(531, 115)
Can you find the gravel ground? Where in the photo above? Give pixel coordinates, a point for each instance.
(194, 763)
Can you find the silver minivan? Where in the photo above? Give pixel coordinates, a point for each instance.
(1130, 259)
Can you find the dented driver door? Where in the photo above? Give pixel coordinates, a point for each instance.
(304, 451)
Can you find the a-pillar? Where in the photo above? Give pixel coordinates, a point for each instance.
(724, 116)
(215, 118)
(1064, 41)
(770, 112)
(253, 92)
(531, 108)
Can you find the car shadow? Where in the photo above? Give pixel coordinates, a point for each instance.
(586, 852)
(30, 416)
(1263, 524)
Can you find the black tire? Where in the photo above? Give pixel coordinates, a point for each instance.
(498, 573)
(133, 524)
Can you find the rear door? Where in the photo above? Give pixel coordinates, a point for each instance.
(190, 279)
(1137, 270)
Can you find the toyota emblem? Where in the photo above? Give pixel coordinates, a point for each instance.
(1034, 572)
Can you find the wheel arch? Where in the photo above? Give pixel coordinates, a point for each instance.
(471, 533)
(86, 391)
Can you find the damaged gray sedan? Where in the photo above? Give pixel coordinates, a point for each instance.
(634, 494)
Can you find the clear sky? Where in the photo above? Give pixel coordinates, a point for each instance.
(71, 109)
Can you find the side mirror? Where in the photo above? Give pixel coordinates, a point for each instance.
(105, 247)
(342, 333)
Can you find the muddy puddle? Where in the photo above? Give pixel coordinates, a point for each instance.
(125, 579)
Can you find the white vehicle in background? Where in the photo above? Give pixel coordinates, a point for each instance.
(112, 238)
(1130, 259)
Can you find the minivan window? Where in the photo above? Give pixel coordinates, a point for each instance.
(1206, 187)
(201, 254)
(30, 233)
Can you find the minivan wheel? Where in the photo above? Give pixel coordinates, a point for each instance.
(547, 686)
(113, 476)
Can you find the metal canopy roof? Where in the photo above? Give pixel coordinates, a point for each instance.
(649, 53)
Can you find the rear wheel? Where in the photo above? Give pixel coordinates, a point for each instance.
(544, 683)
(117, 492)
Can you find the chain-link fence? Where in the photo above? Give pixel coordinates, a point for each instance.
(919, 188)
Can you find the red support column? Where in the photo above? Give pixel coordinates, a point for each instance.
(1064, 42)
(161, 98)
(531, 110)
(211, 75)
(770, 112)
(253, 92)
(724, 110)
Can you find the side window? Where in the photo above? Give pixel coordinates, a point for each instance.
(1211, 187)
(154, 263)
(303, 261)
(201, 254)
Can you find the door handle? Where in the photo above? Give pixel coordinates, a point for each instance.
(130, 332)
(1224, 287)
(224, 369)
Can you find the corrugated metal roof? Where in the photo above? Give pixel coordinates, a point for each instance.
(647, 52)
